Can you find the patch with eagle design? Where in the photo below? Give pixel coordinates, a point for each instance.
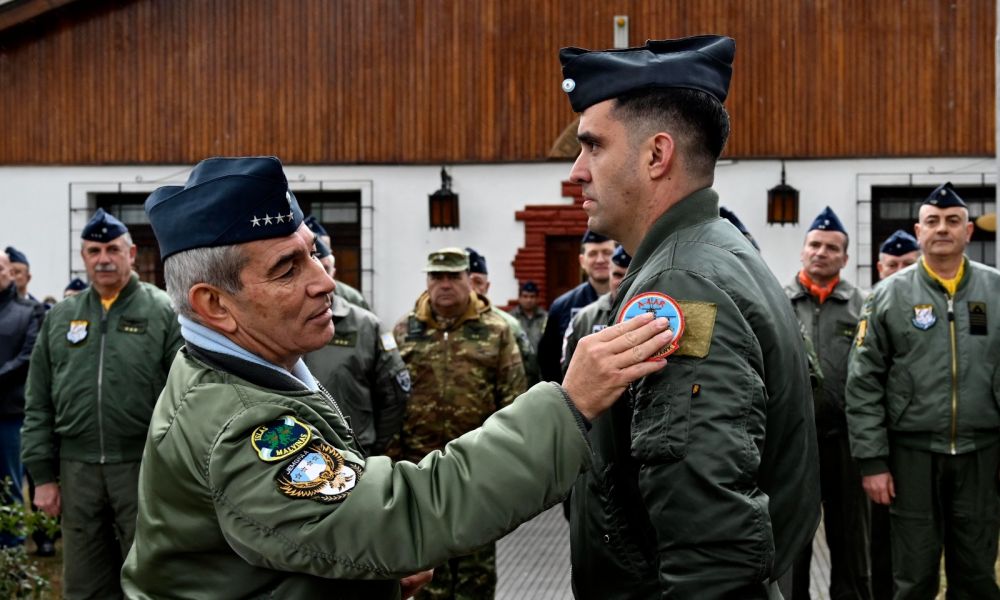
(318, 473)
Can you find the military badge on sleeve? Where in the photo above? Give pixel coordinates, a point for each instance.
(659, 305)
(923, 316)
(859, 337)
(77, 331)
(318, 473)
(280, 439)
(403, 380)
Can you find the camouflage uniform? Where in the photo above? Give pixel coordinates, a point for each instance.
(461, 374)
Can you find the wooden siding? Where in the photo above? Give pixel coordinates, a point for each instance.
(446, 81)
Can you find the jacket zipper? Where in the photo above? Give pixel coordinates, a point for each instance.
(954, 375)
(100, 385)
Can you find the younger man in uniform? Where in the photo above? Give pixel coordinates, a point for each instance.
(596, 315)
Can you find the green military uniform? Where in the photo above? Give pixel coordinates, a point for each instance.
(362, 369)
(533, 325)
(229, 509)
(92, 384)
(922, 394)
(704, 482)
(350, 294)
(529, 358)
(462, 373)
(591, 319)
(830, 327)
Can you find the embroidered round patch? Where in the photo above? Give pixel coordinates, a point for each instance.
(318, 473)
(280, 439)
(659, 305)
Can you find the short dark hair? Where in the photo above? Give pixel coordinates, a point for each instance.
(698, 119)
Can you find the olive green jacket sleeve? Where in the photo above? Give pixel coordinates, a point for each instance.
(390, 393)
(399, 518)
(866, 391)
(38, 439)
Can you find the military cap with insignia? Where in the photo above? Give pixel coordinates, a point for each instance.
(945, 196)
(530, 287)
(315, 226)
(75, 285)
(103, 227)
(233, 201)
(703, 62)
(477, 262)
(447, 260)
(899, 243)
(730, 216)
(322, 250)
(16, 256)
(620, 257)
(827, 220)
(591, 237)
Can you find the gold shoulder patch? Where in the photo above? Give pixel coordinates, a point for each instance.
(859, 338)
(699, 325)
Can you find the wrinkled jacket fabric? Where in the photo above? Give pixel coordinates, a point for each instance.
(830, 327)
(214, 525)
(20, 320)
(705, 477)
(901, 379)
(89, 398)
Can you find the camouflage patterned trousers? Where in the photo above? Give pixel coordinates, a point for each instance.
(469, 577)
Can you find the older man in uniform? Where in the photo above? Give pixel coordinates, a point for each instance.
(704, 484)
(531, 316)
(465, 365)
(828, 308)
(922, 408)
(595, 261)
(596, 315)
(252, 482)
(898, 251)
(99, 364)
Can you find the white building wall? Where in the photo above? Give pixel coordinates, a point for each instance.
(35, 211)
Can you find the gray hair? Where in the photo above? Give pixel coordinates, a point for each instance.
(219, 267)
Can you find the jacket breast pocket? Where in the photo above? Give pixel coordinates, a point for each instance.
(661, 423)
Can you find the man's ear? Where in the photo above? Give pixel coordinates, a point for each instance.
(213, 307)
(662, 154)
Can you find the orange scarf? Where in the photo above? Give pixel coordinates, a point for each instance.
(821, 293)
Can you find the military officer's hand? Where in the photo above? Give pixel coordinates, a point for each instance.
(412, 584)
(47, 498)
(606, 362)
(879, 488)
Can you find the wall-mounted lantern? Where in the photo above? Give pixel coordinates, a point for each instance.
(444, 204)
(782, 203)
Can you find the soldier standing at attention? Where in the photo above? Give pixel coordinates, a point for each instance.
(897, 252)
(828, 308)
(596, 315)
(465, 366)
(531, 316)
(705, 480)
(98, 366)
(922, 408)
(595, 261)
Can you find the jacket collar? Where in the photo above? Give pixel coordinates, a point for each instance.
(700, 207)
(123, 294)
(256, 374)
(340, 307)
(842, 292)
(937, 285)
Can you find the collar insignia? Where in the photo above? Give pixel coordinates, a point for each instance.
(659, 305)
(77, 331)
(923, 316)
(318, 473)
(280, 439)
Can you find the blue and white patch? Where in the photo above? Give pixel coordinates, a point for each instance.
(924, 317)
(280, 439)
(659, 305)
(388, 342)
(77, 331)
(318, 473)
(403, 381)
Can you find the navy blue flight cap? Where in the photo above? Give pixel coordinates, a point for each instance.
(322, 250)
(16, 256)
(315, 226)
(76, 285)
(529, 286)
(225, 201)
(620, 257)
(477, 262)
(945, 196)
(703, 62)
(827, 221)
(103, 227)
(730, 216)
(899, 243)
(590, 237)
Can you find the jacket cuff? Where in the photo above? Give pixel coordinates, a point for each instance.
(873, 466)
(42, 472)
(581, 421)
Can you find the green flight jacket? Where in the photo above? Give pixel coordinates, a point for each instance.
(924, 367)
(217, 521)
(351, 294)
(362, 369)
(591, 319)
(705, 481)
(830, 327)
(95, 376)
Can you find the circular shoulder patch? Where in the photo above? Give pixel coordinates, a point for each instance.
(659, 305)
(278, 439)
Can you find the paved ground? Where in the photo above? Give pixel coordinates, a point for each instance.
(533, 561)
